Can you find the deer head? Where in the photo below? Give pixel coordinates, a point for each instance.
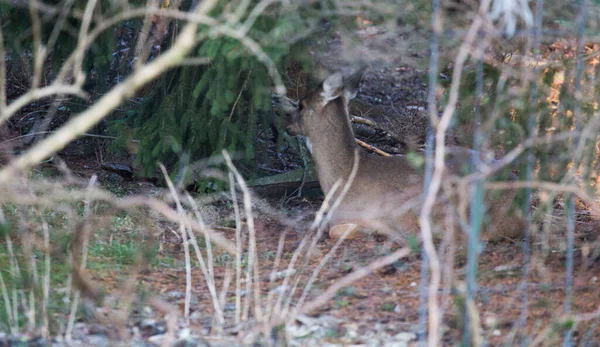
(329, 100)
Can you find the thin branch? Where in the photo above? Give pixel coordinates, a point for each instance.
(551, 186)
(64, 12)
(183, 229)
(83, 33)
(372, 148)
(207, 269)
(2, 74)
(86, 120)
(258, 52)
(352, 277)
(39, 52)
(61, 194)
(143, 45)
(431, 196)
(39, 93)
(256, 11)
(238, 248)
(563, 320)
(252, 249)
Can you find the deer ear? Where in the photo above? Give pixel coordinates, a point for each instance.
(352, 82)
(332, 87)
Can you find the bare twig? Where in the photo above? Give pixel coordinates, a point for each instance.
(125, 203)
(143, 45)
(46, 284)
(430, 198)
(352, 277)
(39, 51)
(551, 186)
(86, 230)
(372, 148)
(238, 248)
(2, 75)
(183, 229)
(84, 121)
(83, 33)
(252, 274)
(336, 203)
(322, 263)
(208, 271)
(562, 320)
(318, 220)
(62, 16)
(39, 93)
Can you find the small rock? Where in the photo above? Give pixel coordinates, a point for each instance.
(351, 331)
(96, 340)
(174, 295)
(80, 331)
(147, 323)
(149, 327)
(279, 289)
(282, 274)
(405, 336)
(157, 339)
(97, 329)
(507, 267)
(184, 333)
(496, 332)
(413, 284)
(249, 339)
(148, 311)
(491, 321)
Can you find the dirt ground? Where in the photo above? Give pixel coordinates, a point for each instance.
(389, 298)
(387, 302)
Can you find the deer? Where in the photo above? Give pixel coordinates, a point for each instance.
(387, 189)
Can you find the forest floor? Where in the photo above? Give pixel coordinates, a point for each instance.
(381, 309)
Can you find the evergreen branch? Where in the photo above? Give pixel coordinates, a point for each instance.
(191, 18)
(58, 87)
(254, 14)
(258, 52)
(86, 120)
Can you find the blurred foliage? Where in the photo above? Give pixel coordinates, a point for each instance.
(510, 103)
(197, 111)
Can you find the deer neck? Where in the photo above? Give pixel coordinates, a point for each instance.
(333, 147)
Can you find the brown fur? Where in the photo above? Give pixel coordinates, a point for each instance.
(385, 190)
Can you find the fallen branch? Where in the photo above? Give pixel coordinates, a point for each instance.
(372, 148)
